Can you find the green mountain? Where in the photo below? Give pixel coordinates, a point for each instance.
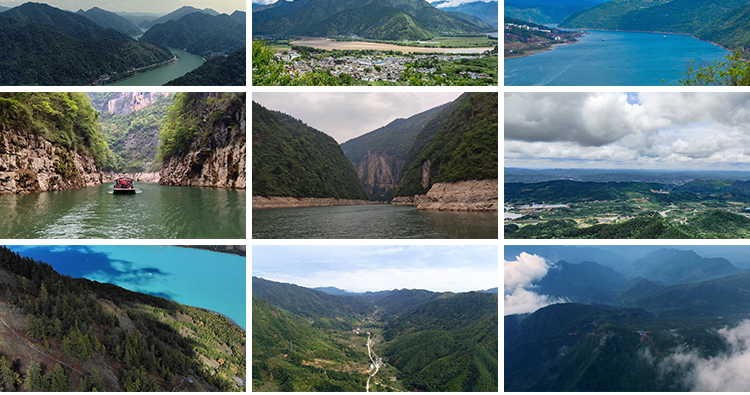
(379, 156)
(174, 15)
(283, 346)
(326, 311)
(585, 282)
(66, 334)
(484, 10)
(607, 15)
(65, 48)
(671, 266)
(727, 295)
(382, 19)
(218, 71)
(201, 34)
(293, 159)
(448, 344)
(464, 147)
(108, 19)
(565, 191)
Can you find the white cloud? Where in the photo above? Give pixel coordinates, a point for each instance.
(518, 284)
(455, 3)
(724, 372)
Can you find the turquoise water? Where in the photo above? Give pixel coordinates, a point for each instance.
(200, 278)
(188, 62)
(623, 58)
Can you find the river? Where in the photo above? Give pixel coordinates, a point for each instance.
(612, 58)
(188, 62)
(157, 212)
(381, 221)
(169, 272)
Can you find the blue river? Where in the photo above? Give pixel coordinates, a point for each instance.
(200, 278)
(613, 59)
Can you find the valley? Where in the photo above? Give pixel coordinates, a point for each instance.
(628, 318)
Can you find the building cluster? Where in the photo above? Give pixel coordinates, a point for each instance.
(527, 27)
(371, 68)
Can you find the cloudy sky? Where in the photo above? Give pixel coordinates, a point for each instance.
(448, 3)
(344, 116)
(627, 130)
(158, 7)
(377, 268)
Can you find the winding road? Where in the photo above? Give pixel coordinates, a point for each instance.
(369, 351)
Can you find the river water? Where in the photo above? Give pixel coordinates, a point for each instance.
(382, 221)
(612, 58)
(169, 272)
(157, 212)
(188, 62)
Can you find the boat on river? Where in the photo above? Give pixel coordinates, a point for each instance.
(123, 185)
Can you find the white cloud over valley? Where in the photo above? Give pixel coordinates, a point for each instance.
(518, 284)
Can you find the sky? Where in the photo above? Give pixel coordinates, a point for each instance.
(449, 3)
(378, 268)
(695, 131)
(344, 116)
(161, 7)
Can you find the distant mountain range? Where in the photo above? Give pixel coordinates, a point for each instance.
(201, 33)
(176, 14)
(484, 10)
(108, 19)
(375, 19)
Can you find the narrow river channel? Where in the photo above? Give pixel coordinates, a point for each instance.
(188, 62)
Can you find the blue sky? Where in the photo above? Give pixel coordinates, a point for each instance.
(377, 268)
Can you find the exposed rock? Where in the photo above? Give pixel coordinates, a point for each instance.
(379, 172)
(217, 157)
(30, 163)
(137, 177)
(472, 195)
(288, 202)
(127, 102)
(403, 201)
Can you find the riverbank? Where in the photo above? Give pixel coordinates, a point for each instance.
(472, 195)
(152, 177)
(540, 50)
(261, 202)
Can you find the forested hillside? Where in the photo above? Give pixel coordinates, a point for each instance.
(108, 19)
(218, 71)
(65, 48)
(64, 334)
(200, 34)
(464, 147)
(293, 159)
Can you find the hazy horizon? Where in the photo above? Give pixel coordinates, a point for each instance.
(368, 268)
(137, 6)
(450, 3)
(345, 116)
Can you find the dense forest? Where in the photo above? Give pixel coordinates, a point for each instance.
(66, 334)
(430, 341)
(464, 147)
(219, 71)
(293, 159)
(201, 34)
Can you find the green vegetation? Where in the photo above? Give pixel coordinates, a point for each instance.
(464, 147)
(200, 34)
(293, 159)
(133, 137)
(141, 341)
(108, 19)
(219, 71)
(185, 128)
(607, 15)
(65, 119)
(732, 71)
(72, 50)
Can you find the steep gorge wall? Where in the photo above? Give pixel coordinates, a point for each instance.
(217, 153)
(30, 163)
(472, 195)
(379, 172)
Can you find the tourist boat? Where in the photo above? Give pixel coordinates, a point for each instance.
(123, 185)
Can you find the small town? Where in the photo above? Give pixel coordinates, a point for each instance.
(377, 67)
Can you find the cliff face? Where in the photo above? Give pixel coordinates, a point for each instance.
(30, 163)
(217, 153)
(473, 195)
(123, 103)
(379, 172)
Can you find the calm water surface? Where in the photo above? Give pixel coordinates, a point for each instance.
(169, 272)
(157, 212)
(623, 58)
(188, 62)
(371, 222)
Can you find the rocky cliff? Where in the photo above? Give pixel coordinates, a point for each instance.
(379, 172)
(215, 154)
(31, 163)
(123, 103)
(472, 195)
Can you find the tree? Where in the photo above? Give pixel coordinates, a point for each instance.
(58, 380)
(733, 71)
(34, 380)
(8, 377)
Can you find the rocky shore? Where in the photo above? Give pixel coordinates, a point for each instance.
(138, 177)
(260, 202)
(30, 163)
(472, 195)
